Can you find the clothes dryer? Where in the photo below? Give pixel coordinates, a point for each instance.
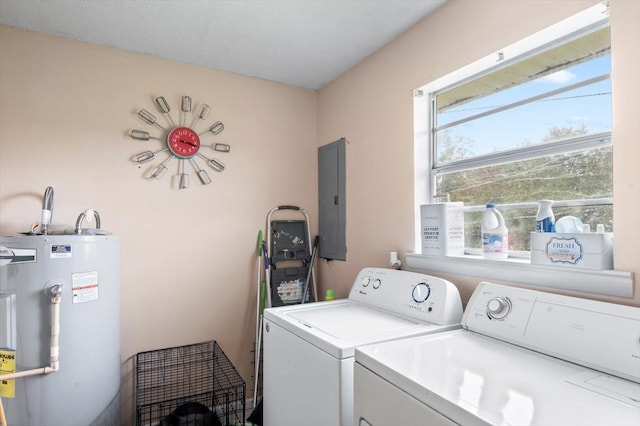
(522, 357)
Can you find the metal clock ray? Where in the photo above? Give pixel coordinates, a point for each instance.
(180, 141)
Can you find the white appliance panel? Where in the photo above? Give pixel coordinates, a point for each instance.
(289, 361)
(408, 294)
(407, 410)
(561, 326)
(349, 321)
(338, 327)
(498, 383)
(381, 306)
(308, 348)
(464, 373)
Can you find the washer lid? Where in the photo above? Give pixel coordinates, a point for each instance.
(339, 326)
(349, 321)
(474, 379)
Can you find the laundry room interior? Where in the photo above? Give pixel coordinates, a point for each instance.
(95, 122)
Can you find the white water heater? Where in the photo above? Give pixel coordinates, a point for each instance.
(70, 358)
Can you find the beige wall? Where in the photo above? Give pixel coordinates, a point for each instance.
(372, 106)
(187, 256)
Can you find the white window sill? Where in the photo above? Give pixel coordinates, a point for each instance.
(610, 283)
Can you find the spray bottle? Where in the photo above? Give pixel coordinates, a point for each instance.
(545, 220)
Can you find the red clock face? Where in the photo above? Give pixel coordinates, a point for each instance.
(183, 142)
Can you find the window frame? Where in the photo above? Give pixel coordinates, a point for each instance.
(577, 26)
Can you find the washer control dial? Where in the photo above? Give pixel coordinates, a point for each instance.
(376, 283)
(421, 292)
(365, 281)
(498, 307)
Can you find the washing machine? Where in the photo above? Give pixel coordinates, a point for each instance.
(309, 348)
(522, 357)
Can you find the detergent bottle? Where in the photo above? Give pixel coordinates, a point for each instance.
(495, 235)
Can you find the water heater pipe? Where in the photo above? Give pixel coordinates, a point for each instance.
(47, 209)
(54, 351)
(3, 419)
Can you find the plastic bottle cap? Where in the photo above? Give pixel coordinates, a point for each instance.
(490, 206)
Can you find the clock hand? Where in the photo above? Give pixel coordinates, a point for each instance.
(188, 142)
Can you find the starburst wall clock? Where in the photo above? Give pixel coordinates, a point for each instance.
(180, 141)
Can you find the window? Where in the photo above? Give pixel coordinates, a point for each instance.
(531, 122)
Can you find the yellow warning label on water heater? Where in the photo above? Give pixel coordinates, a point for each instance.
(7, 365)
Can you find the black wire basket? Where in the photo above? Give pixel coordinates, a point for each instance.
(188, 385)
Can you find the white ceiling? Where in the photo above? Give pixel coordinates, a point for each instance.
(303, 43)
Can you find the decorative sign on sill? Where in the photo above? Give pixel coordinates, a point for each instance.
(565, 250)
(590, 250)
(180, 141)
